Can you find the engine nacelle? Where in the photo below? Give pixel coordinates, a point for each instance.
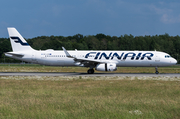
(106, 67)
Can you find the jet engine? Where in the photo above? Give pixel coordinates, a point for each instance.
(106, 67)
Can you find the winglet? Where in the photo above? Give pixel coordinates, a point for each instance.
(66, 52)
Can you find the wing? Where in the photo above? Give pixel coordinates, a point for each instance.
(84, 61)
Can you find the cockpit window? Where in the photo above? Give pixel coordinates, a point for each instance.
(167, 56)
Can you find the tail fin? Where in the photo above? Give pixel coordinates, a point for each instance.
(18, 43)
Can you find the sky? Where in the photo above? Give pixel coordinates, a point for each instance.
(33, 18)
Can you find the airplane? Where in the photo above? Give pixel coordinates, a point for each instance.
(98, 60)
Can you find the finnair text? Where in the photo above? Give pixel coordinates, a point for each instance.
(122, 56)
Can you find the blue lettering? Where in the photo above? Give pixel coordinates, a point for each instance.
(132, 57)
(97, 55)
(104, 54)
(116, 55)
(119, 57)
(149, 57)
(138, 56)
(87, 55)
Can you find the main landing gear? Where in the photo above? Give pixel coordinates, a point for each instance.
(157, 72)
(90, 71)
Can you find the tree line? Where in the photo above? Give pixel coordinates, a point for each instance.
(165, 43)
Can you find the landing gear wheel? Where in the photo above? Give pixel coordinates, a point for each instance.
(90, 71)
(157, 72)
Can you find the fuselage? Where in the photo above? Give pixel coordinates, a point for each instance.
(120, 58)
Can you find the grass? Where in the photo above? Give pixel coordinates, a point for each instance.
(40, 68)
(88, 97)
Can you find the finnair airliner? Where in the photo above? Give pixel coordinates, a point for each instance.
(98, 60)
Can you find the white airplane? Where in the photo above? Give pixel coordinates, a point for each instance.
(100, 60)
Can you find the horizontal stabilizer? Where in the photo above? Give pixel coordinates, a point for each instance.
(14, 54)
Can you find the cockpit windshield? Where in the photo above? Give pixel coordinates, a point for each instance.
(167, 56)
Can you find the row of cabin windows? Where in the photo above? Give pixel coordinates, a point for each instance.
(55, 56)
(166, 56)
(59, 56)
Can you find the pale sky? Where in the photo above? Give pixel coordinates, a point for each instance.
(34, 18)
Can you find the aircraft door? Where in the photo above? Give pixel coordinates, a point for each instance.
(157, 58)
(34, 56)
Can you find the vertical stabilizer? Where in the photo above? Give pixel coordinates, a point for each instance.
(18, 43)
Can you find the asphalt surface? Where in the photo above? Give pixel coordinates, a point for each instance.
(85, 74)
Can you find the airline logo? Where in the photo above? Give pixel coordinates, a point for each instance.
(18, 40)
(122, 56)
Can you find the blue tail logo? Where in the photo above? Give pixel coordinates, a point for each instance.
(18, 40)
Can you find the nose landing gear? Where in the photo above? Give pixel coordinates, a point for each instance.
(157, 72)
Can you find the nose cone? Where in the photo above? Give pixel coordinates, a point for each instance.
(174, 61)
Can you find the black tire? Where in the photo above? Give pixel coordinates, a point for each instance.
(90, 71)
(156, 72)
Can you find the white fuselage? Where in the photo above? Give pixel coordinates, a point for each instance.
(120, 58)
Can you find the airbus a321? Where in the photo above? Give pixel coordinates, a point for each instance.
(98, 60)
